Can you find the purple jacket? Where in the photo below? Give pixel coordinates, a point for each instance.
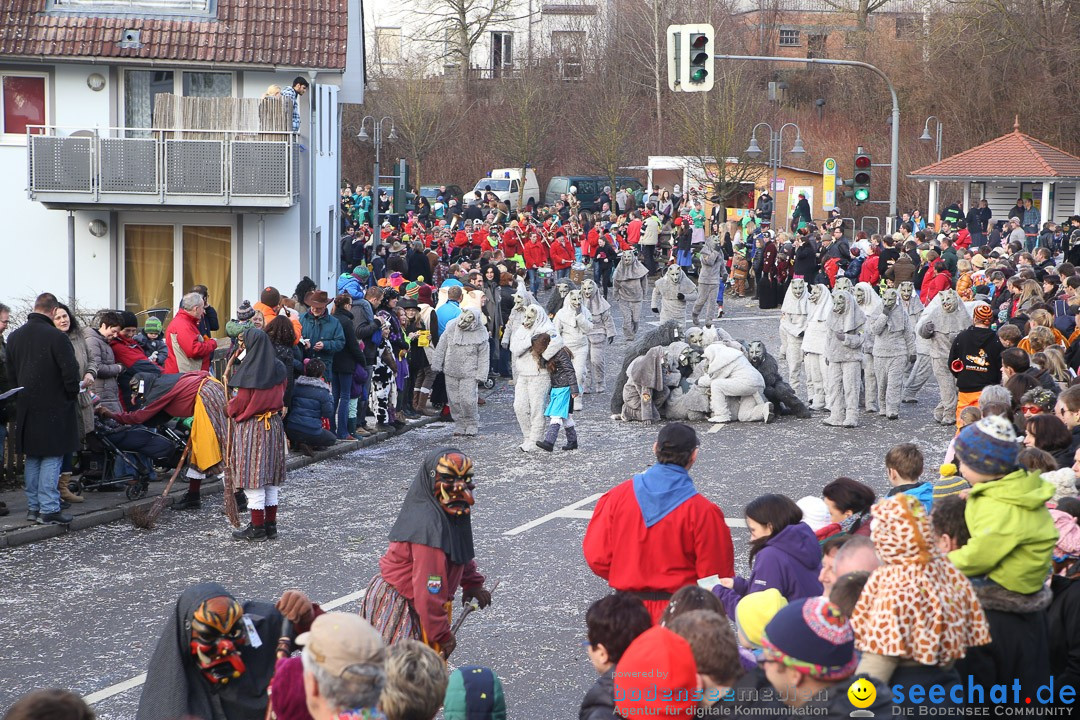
(789, 562)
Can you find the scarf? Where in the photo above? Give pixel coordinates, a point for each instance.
(260, 369)
(853, 522)
(423, 521)
(917, 605)
(661, 489)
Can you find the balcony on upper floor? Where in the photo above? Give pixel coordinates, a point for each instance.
(129, 169)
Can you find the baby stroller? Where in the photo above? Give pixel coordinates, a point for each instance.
(119, 456)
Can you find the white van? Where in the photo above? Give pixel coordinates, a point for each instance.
(505, 183)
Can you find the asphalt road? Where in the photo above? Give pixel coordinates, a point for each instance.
(83, 611)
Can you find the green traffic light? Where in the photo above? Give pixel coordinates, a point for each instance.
(861, 194)
(699, 75)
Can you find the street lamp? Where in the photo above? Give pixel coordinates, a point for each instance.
(925, 137)
(362, 136)
(776, 148)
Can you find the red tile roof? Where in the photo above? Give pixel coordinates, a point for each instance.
(307, 34)
(1015, 155)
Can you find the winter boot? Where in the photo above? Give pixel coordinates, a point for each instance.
(65, 491)
(571, 438)
(255, 530)
(550, 436)
(190, 501)
(271, 522)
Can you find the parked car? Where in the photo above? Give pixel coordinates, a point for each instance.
(505, 183)
(452, 191)
(588, 187)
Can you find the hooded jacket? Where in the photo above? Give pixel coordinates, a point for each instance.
(311, 402)
(712, 264)
(975, 359)
(1012, 533)
(790, 561)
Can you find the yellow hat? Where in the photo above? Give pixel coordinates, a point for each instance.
(755, 611)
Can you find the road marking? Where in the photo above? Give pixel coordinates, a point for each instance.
(574, 512)
(552, 515)
(122, 687)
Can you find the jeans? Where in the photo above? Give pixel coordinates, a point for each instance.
(534, 280)
(42, 478)
(3, 441)
(564, 273)
(342, 387)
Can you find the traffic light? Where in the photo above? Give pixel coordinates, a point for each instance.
(860, 184)
(401, 187)
(690, 57)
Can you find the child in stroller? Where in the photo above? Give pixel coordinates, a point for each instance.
(118, 455)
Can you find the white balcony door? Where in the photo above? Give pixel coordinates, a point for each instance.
(141, 86)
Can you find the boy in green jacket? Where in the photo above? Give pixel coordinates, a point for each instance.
(1012, 533)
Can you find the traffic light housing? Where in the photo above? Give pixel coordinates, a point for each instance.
(860, 183)
(401, 187)
(690, 57)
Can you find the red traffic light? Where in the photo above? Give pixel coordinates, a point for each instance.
(698, 42)
(862, 161)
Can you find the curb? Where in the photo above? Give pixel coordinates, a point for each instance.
(34, 533)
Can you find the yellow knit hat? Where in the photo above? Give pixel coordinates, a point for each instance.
(755, 611)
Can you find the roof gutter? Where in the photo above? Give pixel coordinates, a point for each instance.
(992, 178)
(153, 62)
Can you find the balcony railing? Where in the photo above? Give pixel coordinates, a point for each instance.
(68, 167)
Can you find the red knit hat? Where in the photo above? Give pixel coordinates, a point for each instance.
(656, 675)
(287, 690)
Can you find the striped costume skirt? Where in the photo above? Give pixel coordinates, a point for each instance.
(389, 612)
(257, 452)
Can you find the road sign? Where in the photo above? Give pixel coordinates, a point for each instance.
(828, 184)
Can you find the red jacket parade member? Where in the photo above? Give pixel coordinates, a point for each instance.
(430, 555)
(535, 253)
(654, 533)
(589, 242)
(511, 241)
(562, 252)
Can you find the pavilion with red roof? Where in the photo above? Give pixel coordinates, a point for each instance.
(1006, 168)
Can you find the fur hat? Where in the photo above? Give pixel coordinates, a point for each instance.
(988, 447)
(245, 312)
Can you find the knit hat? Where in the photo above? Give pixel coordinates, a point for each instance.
(755, 611)
(988, 447)
(153, 325)
(412, 290)
(813, 637)
(423, 294)
(128, 319)
(657, 665)
(1068, 544)
(361, 271)
(474, 693)
(950, 483)
(814, 512)
(983, 314)
(287, 690)
(245, 312)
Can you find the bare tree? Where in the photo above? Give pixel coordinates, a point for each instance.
(606, 127)
(459, 25)
(861, 9)
(528, 122)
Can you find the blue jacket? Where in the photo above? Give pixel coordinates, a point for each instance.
(789, 562)
(923, 492)
(311, 403)
(347, 282)
(327, 330)
(447, 312)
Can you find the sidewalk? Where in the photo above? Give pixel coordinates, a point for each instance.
(105, 507)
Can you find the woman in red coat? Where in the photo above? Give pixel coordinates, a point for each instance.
(562, 255)
(535, 257)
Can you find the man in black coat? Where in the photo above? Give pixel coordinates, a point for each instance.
(41, 360)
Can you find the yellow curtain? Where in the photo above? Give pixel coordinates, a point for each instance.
(208, 261)
(148, 267)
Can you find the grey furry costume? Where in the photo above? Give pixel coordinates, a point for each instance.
(944, 318)
(646, 387)
(574, 324)
(734, 384)
(893, 345)
(778, 392)
(629, 282)
(870, 303)
(555, 301)
(921, 370)
(666, 334)
(845, 325)
(522, 300)
(601, 335)
(794, 316)
(820, 305)
(671, 293)
(710, 276)
(532, 383)
(688, 400)
(463, 357)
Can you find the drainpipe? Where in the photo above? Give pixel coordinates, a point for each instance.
(71, 258)
(262, 252)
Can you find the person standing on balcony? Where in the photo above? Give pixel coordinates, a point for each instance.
(293, 95)
(188, 351)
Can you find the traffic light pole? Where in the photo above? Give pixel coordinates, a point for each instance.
(894, 155)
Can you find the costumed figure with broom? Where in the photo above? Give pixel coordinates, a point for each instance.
(194, 395)
(430, 555)
(216, 656)
(255, 446)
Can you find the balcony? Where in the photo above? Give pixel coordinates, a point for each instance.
(127, 168)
